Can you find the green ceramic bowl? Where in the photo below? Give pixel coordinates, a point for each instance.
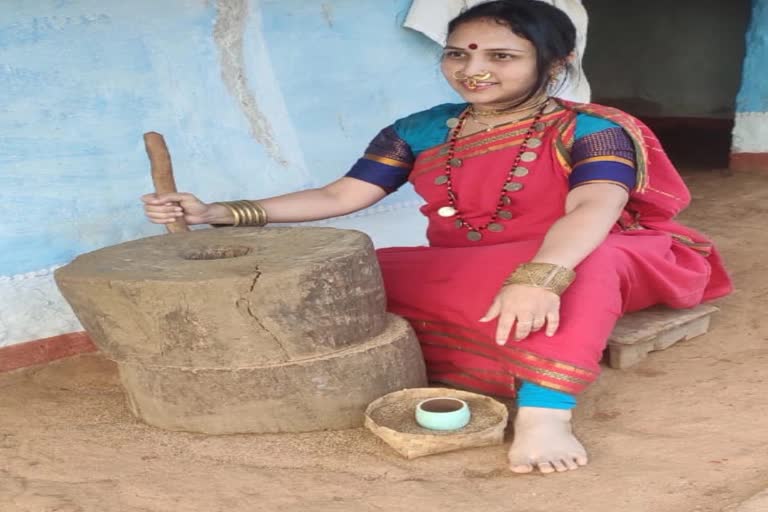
(443, 413)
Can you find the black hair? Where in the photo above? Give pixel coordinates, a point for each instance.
(548, 28)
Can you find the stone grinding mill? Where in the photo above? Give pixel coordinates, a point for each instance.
(237, 330)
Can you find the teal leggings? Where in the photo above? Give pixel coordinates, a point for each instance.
(533, 395)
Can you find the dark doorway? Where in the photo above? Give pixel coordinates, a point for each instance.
(676, 65)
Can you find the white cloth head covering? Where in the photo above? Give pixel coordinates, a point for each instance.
(431, 17)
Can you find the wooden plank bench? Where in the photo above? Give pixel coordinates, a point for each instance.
(637, 334)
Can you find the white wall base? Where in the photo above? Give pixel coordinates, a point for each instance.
(750, 133)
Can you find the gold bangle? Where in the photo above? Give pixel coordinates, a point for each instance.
(233, 212)
(254, 215)
(261, 213)
(246, 213)
(554, 278)
(238, 212)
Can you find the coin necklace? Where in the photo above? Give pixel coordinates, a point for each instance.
(474, 233)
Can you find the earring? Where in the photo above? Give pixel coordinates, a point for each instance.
(554, 78)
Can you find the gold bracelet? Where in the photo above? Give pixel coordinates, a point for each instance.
(261, 213)
(235, 214)
(542, 275)
(246, 213)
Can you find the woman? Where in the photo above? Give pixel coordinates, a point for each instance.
(530, 200)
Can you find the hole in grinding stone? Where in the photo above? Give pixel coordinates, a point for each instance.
(216, 253)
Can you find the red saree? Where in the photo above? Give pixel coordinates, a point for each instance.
(445, 288)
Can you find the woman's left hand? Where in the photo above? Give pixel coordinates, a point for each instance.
(528, 308)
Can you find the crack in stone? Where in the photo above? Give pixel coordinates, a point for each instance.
(255, 317)
(256, 277)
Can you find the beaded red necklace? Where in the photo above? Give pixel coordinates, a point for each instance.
(475, 232)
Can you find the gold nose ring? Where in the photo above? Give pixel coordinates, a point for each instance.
(460, 75)
(471, 81)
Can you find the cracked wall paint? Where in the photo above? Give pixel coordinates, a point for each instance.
(228, 33)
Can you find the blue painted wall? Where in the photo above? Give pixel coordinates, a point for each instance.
(753, 96)
(254, 99)
(81, 80)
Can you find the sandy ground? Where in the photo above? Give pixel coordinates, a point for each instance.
(686, 430)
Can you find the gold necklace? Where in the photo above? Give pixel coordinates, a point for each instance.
(503, 111)
(540, 107)
(488, 125)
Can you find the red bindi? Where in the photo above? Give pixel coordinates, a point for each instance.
(473, 46)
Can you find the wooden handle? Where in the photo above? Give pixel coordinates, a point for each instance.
(162, 173)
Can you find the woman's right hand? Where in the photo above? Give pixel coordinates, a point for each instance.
(167, 208)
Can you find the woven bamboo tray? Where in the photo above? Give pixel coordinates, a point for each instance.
(392, 418)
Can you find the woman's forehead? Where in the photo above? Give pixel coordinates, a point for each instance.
(487, 34)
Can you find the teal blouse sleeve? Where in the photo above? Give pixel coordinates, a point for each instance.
(389, 158)
(602, 153)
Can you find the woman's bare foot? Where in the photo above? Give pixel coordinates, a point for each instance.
(544, 440)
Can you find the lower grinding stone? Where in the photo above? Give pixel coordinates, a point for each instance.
(329, 392)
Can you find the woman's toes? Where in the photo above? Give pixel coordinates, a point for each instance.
(570, 463)
(521, 468)
(546, 467)
(559, 466)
